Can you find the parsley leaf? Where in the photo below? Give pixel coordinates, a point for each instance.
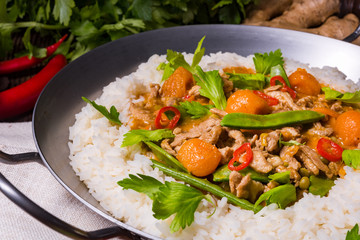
(282, 195)
(63, 10)
(195, 109)
(248, 81)
(141, 135)
(347, 97)
(198, 54)
(168, 199)
(353, 234)
(176, 59)
(264, 62)
(320, 186)
(351, 158)
(113, 115)
(211, 86)
(136, 183)
(281, 177)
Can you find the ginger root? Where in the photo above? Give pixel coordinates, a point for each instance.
(266, 10)
(336, 27)
(313, 16)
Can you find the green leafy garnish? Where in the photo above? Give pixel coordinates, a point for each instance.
(168, 199)
(136, 183)
(281, 177)
(248, 81)
(320, 186)
(112, 115)
(347, 97)
(264, 62)
(353, 234)
(198, 54)
(176, 59)
(211, 86)
(282, 195)
(195, 109)
(141, 135)
(351, 158)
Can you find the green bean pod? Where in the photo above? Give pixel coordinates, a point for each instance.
(274, 120)
(222, 174)
(205, 185)
(164, 156)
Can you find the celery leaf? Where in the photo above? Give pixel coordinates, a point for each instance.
(353, 234)
(168, 199)
(347, 97)
(282, 195)
(264, 62)
(195, 109)
(141, 135)
(211, 86)
(113, 115)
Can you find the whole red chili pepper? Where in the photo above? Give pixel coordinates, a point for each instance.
(246, 147)
(22, 63)
(22, 98)
(270, 100)
(172, 123)
(285, 87)
(329, 150)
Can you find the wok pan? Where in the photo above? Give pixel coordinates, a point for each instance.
(86, 76)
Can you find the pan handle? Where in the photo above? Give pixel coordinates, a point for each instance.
(19, 158)
(55, 223)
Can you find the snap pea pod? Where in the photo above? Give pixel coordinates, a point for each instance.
(164, 156)
(222, 174)
(274, 120)
(205, 185)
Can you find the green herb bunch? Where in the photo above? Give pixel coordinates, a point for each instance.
(91, 23)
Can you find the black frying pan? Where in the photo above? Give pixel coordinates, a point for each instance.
(86, 76)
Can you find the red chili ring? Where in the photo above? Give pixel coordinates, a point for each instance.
(172, 123)
(329, 150)
(246, 147)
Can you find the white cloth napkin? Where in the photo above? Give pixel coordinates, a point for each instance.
(37, 183)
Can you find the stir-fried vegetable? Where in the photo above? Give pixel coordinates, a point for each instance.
(247, 158)
(170, 124)
(285, 88)
(274, 120)
(329, 150)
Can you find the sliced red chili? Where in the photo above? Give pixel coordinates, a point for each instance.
(329, 150)
(160, 123)
(270, 100)
(285, 87)
(248, 157)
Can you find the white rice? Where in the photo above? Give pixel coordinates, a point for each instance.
(99, 161)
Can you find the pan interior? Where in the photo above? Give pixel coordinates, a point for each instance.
(61, 99)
